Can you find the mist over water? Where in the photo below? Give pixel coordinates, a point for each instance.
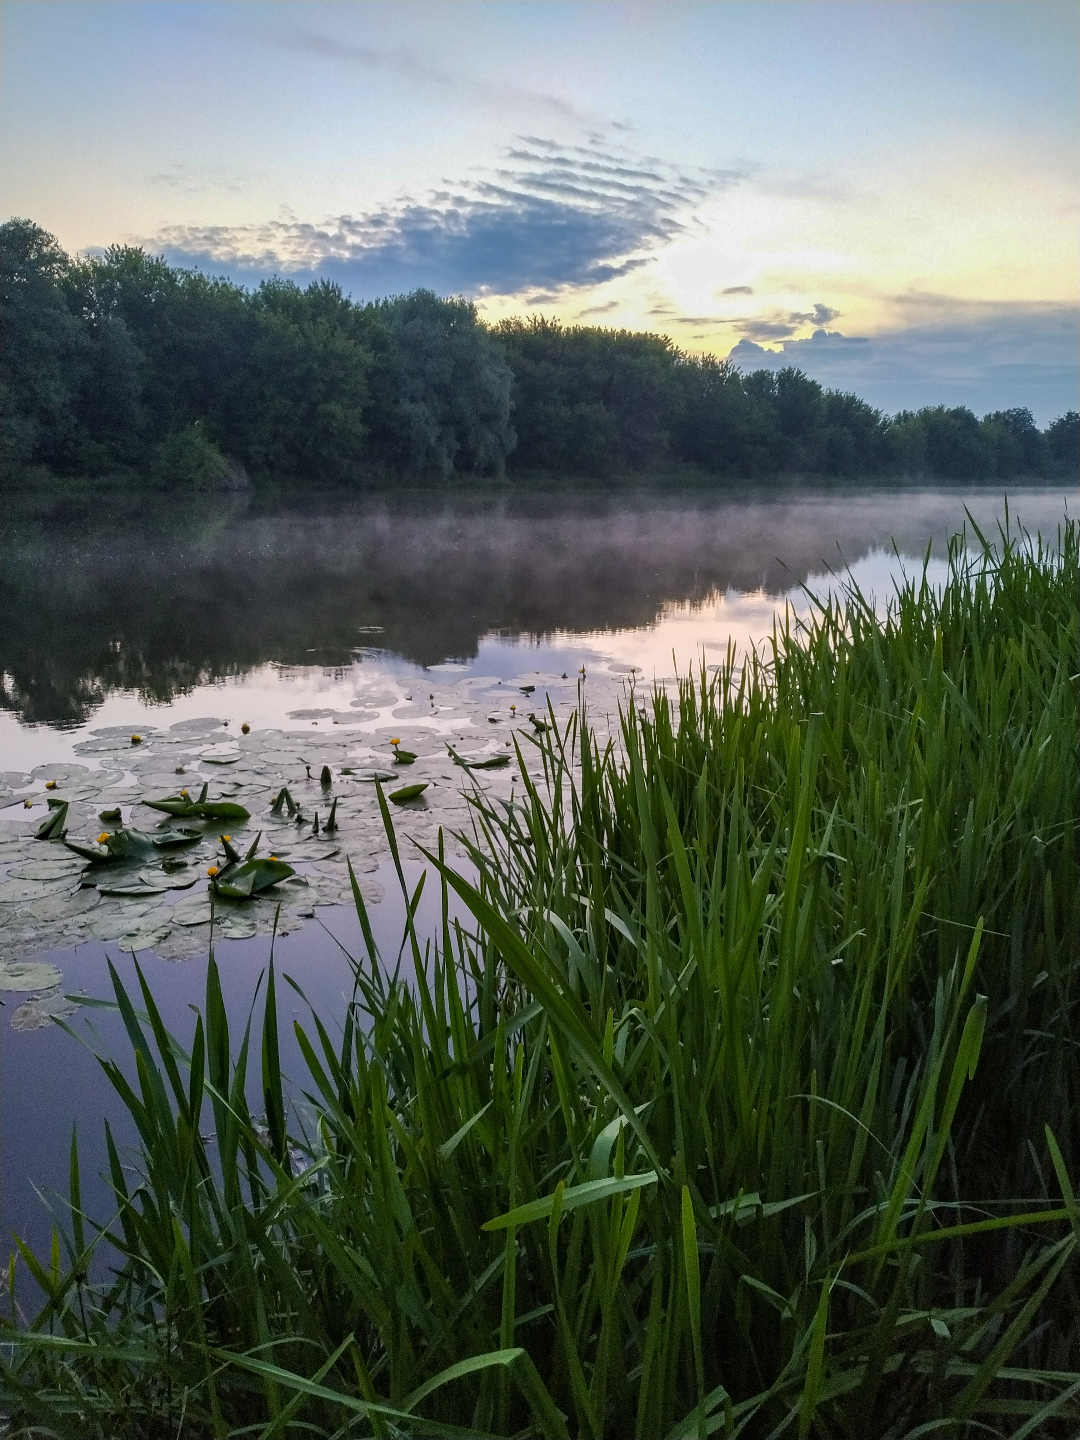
(160, 599)
(145, 611)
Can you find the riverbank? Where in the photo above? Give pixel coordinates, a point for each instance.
(752, 1100)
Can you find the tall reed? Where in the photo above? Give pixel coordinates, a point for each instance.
(748, 1104)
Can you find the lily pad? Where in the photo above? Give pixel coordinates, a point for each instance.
(130, 845)
(146, 884)
(27, 975)
(143, 938)
(404, 757)
(49, 869)
(16, 892)
(42, 1010)
(408, 792)
(187, 809)
(242, 882)
(488, 762)
(236, 927)
(54, 826)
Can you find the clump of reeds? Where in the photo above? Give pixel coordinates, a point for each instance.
(750, 1106)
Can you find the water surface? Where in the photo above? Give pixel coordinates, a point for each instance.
(337, 622)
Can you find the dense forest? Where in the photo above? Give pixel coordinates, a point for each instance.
(123, 364)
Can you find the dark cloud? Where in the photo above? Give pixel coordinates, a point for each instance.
(782, 326)
(737, 290)
(987, 356)
(561, 217)
(598, 309)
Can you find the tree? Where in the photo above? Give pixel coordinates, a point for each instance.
(1063, 445)
(43, 347)
(443, 401)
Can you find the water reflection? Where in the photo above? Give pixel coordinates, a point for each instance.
(107, 594)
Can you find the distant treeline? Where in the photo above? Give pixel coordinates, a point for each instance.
(124, 363)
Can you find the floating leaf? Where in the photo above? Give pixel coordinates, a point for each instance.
(146, 886)
(490, 762)
(219, 759)
(60, 868)
(201, 809)
(109, 816)
(28, 975)
(54, 827)
(18, 892)
(127, 844)
(43, 1010)
(404, 757)
(407, 793)
(145, 937)
(251, 878)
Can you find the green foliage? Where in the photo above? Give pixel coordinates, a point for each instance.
(120, 362)
(746, 1104)
(189, 458)
(42, 350)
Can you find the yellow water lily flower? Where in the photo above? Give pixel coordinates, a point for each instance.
(213, 871)
(245, 728)
(395, 741)
(50, 784)
(103, 837)
(273, 857)
(28, 804)
(136, 739)
(185, 794)
(226, 837)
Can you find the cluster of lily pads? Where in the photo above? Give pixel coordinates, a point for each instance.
(79, 863)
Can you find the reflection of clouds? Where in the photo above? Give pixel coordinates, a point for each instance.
(685, 631)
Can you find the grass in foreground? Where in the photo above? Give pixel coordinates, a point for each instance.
(748, 1107)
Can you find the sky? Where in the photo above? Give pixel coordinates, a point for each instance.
(885, 194)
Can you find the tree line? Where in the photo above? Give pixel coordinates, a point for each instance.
(122, 363)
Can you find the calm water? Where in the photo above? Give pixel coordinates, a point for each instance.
(283, 612)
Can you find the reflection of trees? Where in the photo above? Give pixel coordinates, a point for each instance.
(159, 598)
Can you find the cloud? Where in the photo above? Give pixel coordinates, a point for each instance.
(554, 218)
(779, 326)
(599, 309)
(737, 290)
(204, 179)
(986, 355)
(412, 67)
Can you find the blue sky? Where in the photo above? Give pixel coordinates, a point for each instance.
(885, 194)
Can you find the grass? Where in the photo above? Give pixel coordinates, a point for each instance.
(746, 1105)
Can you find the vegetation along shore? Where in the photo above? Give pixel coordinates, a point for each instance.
(745, 1103)
(120, 364)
